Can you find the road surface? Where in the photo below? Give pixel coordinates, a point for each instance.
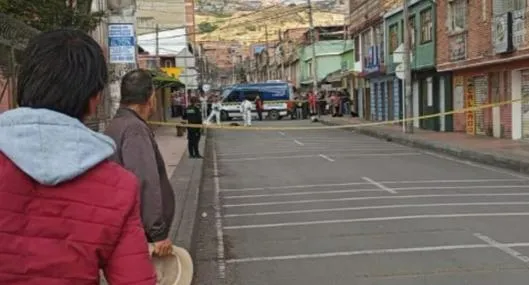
(335, 207)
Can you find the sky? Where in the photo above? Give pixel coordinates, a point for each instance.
(170, 42)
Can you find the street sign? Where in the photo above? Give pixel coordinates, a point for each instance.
(398, 54)
(122, 43)
(399, 71)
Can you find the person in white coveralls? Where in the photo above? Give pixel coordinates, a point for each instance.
(246, 110)
(215, 111)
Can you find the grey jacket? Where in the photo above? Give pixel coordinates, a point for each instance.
(138, 152)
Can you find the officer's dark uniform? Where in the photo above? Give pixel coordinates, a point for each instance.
(193, 116)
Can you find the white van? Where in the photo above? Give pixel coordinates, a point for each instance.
(275, 98)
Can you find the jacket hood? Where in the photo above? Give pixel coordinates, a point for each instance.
(49, 146)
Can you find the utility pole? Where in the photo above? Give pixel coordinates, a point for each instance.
(267, 54)
(157, 44)
(313, 44)
(408, 102)
(122, 46)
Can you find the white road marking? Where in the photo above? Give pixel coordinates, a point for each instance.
(268, 157)
(326, 157)
(301, 193)
(281, 133)
(218, 219)
(299, 143)
(309, 149)
(374, 198)
(493, 169)
(503, 247)
(400, 206)
(366, 183)
(376, 219)
(304, 193)
(379, 185)
(315, 155)
(371, 252)
(382, 154)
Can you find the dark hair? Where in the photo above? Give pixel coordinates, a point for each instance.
(136, 87)
(61, 70)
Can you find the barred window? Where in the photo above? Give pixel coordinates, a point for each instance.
(426, 26)
(457, 15)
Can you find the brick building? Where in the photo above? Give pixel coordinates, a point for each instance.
(482, 48)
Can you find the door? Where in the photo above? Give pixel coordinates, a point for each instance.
(481, 89)
(525, 104)
(367, 104)
(390, 100)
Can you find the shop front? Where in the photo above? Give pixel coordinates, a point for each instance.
(374, 76)
(503, 87)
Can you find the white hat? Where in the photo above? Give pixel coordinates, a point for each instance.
(176, 269)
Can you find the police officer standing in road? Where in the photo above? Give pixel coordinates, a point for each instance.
(194, 117)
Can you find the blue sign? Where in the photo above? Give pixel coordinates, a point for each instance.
(121, 43)
(372, 62)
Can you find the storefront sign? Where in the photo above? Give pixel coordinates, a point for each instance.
(502, 33)
(458, 47)
(122, 43)
(470, 102)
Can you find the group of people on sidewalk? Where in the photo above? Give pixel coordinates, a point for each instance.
(334, 103)
(74, 201)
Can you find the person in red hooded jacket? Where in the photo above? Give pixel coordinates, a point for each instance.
(66, 211)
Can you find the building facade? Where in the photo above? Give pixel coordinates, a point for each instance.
(365, 26)
(428, 86)
(488, 60)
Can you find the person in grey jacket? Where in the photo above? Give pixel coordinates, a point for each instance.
(138, 152)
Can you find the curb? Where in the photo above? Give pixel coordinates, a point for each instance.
(492, 159)
(186, 181)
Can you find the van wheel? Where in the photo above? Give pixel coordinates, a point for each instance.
(274, 115)
(224, 116)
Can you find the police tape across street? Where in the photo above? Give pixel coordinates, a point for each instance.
(369, 124)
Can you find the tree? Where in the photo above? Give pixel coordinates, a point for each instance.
(46, 15)
(206, 27)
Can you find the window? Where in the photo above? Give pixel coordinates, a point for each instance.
(413, 30)
(457, 16)
(309, 70)
(379, 41)
(366, 42)
(393, 38)
(357, 48)
(250, 95)
(426, 26)
(500, 7)
(233, 97)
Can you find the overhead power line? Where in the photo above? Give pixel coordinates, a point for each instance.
(253, 22)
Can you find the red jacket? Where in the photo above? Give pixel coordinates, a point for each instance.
(62, 235)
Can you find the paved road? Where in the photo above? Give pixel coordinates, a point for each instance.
(335, 207)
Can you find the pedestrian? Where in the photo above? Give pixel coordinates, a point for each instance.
(194, 117)
(299, 107)
(246, 111)
(138, 152)
(67, 211)
(216, 107)
(259, 107)
(312, 103)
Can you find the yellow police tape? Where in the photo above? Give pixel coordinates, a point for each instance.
(370, 124)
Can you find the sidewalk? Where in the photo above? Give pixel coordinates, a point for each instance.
(185, 176)
(171, 147)
(503, 153)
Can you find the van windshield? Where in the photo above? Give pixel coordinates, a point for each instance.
(226, 92)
